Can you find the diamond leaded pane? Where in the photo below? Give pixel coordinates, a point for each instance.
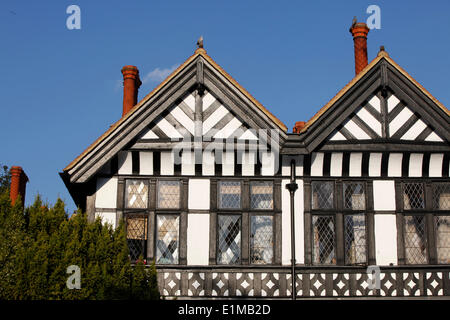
(229, 244)
(261, 194)
(322, 195)
(441, 196)
(415, 239)
(261, 239)
(443, 239)
(168, 194)
(355, 239)
(323, 240)
(167, 239)
(413, 196)
(136, 194)
(354, 196)
(230, 194)
(137, 236)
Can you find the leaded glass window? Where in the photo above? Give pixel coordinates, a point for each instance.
(443, 239)
(230, 194)
(168, 194)
(229, 239)
(167, 239)
(324, 240)
(261, 195)
(322, 195)
(415, 239)
(441, 196)
(137, 236)
(354, 196)
(355, 239)
(261, 239)
(413, 196)
(136, 194)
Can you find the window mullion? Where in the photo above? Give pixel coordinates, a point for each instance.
(339, 233)
(431, 235)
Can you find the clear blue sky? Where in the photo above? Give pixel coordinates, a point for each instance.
(61, 89)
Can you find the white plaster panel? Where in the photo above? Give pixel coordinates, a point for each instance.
(395, 165)
(208, 162)
(228, 163)
(385, 239)
(384, 195)
(336, 164)
(188, 163)
(125, 162)
(268, 163)
(375, 164)
(248, 163)
(415, 165)
(317, 164)
(198, 239)
(436, 160)
(199, 194)
(106, 195)
(145, 162)
(107, 218)
(355, 164)
(167, 163)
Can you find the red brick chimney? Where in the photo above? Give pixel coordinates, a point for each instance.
(359, 30)
(18, 184)
(131, 84)
(298, 126)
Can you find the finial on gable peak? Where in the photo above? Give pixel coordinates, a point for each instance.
(200, 42)
(200, 45)
(382, 52)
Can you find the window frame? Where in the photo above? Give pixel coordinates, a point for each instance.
(246, 212)
(430, 214)
(339, 212)
(152, 211)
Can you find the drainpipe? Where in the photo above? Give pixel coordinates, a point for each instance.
(292, 187)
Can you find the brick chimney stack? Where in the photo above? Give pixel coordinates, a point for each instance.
(298, 126)
(131, 84)
(359, 30)
(18, 184)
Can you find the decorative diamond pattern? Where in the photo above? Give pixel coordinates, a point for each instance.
(324, 240)
(354, 196)
(167, 239)
(229, 246)
(413, 196)
(415, 239)
(137, 236)
(230, 194)
(443, 238)
(261, 194)
(261, 239)
(322, 195)
(168, 194)
(355, 239)
(137, 194)
(441, 196)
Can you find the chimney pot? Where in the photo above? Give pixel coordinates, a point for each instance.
(298, 126)
(131, 84)
(359, 30)
(18, 184)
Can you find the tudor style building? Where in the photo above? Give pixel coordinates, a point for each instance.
(213, 188)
